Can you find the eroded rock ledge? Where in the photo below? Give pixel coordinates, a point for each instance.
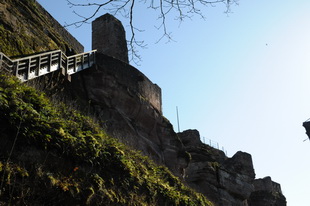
(227, 181)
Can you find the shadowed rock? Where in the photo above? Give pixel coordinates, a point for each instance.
(108, 37)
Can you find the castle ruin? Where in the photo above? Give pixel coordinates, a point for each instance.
(108, 37)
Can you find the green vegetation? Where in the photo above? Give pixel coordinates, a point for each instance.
(51, 154)
(27, 31)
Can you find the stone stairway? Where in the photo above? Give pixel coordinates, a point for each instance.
(36, 65)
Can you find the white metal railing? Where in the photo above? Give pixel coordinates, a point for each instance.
(5, 63)
(33, 66)
(213, 144)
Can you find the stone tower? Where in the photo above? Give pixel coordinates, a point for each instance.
(108, 37)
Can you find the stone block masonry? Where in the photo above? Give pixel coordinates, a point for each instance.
(128, 77)
(108, 37)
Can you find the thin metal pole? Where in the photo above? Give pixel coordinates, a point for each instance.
(178, 120)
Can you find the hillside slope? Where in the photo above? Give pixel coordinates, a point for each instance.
(50, 154)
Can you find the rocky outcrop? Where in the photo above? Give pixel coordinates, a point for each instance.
(27, 28)
(227, 181)
(126, 113)
(130, 117)
(266, 193)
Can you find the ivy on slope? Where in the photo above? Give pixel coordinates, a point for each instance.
(50, 154)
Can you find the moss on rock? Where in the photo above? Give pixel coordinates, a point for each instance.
(25, 28)
(49, 150)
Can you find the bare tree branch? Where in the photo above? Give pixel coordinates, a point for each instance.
(184, 9)
(86, 19)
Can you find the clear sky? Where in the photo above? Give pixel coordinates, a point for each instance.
(242, 80)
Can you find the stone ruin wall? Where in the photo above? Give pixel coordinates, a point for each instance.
(134, 80)
(109, 38)
(76, 46)
(152, 92)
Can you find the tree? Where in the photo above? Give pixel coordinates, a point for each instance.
(183, 9)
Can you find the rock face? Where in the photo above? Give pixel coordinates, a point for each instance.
(266, 193)
(108, 37)
(123, 103)
(128, 105)
(26, 28)
(227, 181)
(130, 117)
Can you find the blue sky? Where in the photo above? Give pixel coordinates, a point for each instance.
(241, 79)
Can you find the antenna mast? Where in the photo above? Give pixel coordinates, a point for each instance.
(178, 119)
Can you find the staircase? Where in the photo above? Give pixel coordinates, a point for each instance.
(33, 66)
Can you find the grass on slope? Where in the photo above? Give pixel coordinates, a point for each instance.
(50, 154)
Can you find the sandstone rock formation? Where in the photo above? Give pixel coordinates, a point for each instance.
(124, 99)
(128, 105)
(132, 118)
(266, 193)
(227, 181)
(27, 28)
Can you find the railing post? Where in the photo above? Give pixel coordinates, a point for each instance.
(59, 59)
(15, 67)
(75, 64)
(94, 56)
(64, 60)
(67, 66)
(62, 64)
(50, 62)
(82, 62)
(28, 69)
(88, 61)
(39, 65)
